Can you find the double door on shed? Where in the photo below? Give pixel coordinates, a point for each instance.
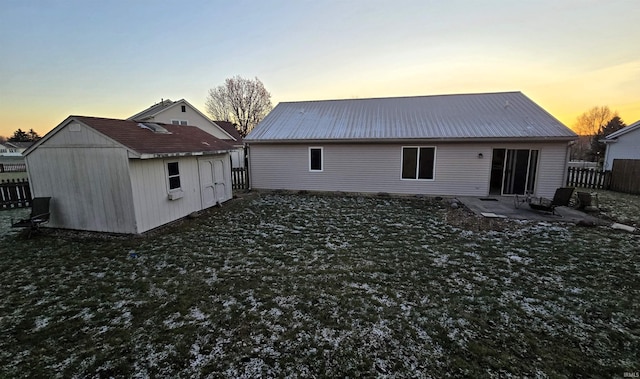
(213, 181)
(513, 171)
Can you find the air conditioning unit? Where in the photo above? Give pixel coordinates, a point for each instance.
(176, 195)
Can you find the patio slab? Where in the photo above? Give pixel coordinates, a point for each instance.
(505, 206)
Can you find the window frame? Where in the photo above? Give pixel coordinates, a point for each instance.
(321, 148)
(180, 122)
(417, 163)
(170, 176)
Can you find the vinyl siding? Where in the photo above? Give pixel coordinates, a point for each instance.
(377, 168)
(627, 146)
(193, 118)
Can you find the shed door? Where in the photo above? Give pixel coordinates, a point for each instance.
(207, 183)
(219, 180)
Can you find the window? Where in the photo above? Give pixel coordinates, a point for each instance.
(180, 122)
(418, 162)
(184, 108)
(315, 159)
(173, 173)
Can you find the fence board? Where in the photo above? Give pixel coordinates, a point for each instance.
(240, 178)
(588, 178)
(625, 176)
(13, 167)
(14, 194)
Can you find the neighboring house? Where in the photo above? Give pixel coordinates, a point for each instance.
(467, 145)
(237, 156)
(622, 144)
(13, 149)
(181, 112)
(123, 176)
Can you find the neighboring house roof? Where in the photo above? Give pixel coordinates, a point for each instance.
(166, 104)
(230, 128)
(19, 145)
(444, 117)
(613, 136)
(153, 110)
(141, 139)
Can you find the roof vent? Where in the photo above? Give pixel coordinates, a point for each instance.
(154, 127)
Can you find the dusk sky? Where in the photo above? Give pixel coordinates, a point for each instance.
(115, 58)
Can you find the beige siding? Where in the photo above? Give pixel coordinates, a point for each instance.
(89, 187)
(153, 207)
(552, 168)
(376, 168)
(192, 117)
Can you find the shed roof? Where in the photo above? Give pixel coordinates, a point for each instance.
(623, 131)
(468, 116)
(140, 139)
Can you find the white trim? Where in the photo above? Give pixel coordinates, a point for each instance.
(418, 162)
(168, 176)
(321, 158)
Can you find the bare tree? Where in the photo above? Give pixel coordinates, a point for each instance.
(590, 122)
(241, 101)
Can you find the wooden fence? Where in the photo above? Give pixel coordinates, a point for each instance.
(625, 176)
(14, 194)
(13, 167)
(240, 178)
(588, 178)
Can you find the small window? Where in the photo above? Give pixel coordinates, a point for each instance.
(180, 122)
(418, 162)
(315, 159)
(184, 108)
(173, 173)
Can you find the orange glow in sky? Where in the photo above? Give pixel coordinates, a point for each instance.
(116, 58)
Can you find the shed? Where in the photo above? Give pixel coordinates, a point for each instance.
(622, 144)
(124, 176)
(468, 144)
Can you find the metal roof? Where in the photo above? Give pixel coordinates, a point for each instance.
(467, 116)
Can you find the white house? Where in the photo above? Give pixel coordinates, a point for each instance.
(471, 144)
(124, 176)
(181, 112)
(622, 144)
(13, 149)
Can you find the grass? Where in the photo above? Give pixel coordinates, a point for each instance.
(281, 285)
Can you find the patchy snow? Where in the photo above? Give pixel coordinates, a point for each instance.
(309, 286)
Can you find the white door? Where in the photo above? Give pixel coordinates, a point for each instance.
(207, 183)
(219, 180)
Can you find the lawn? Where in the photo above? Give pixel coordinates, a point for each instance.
(301, 285)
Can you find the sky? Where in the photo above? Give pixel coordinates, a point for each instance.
(113, 58)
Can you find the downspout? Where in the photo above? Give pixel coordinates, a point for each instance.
(567, 154)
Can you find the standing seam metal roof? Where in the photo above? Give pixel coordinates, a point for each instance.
(467, 116)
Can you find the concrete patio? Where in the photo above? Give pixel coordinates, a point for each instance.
(505, 206)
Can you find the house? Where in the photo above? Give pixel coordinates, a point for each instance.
(181, 112)
(13, 149)
(467, 145)
(622, 144)
(237, 156)
(124, 176)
